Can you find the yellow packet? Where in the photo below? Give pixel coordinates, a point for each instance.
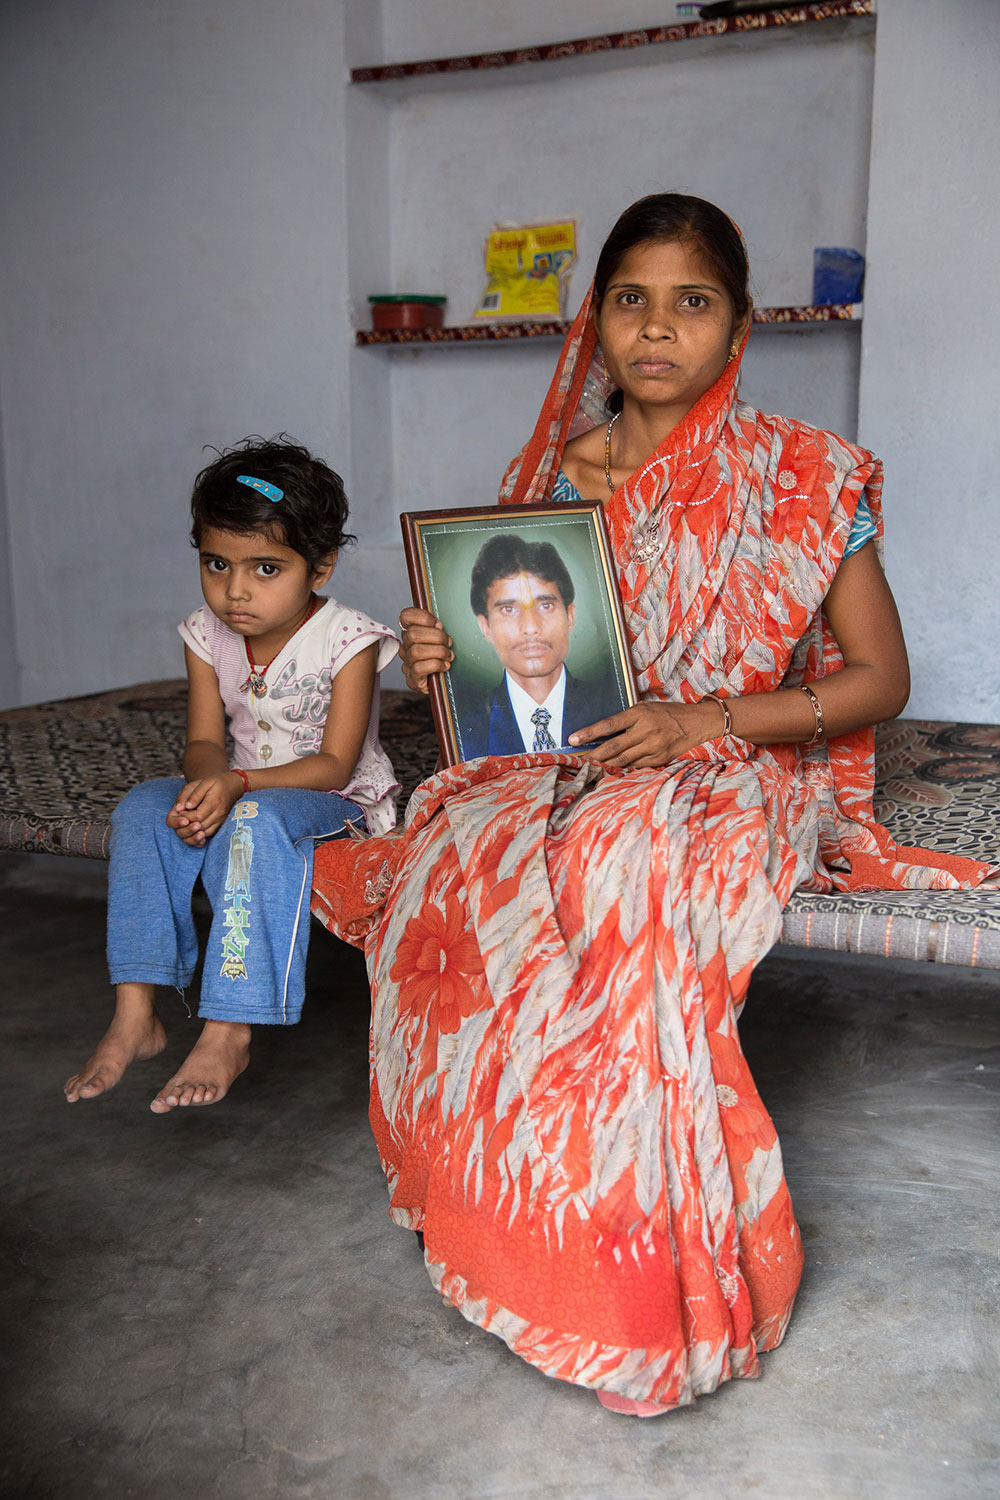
(527, 272)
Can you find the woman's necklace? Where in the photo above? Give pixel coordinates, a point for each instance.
(255, 682)
(607, 452)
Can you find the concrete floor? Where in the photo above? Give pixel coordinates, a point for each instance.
(215, 1304)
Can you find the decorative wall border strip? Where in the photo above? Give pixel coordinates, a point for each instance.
(471, 333)
(832, 312)
(680, 31)
(486, 333)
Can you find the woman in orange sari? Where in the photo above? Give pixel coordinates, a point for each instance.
(560, 944)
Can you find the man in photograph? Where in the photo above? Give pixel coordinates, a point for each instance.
(523, 598)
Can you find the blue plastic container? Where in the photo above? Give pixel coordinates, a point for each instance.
(838, 275)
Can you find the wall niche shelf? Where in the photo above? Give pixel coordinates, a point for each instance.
(505, 333)
(622, 42)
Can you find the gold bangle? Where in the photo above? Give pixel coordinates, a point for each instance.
(818, 711)
(727, 723)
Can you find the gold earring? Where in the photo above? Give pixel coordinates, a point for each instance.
(733, 351)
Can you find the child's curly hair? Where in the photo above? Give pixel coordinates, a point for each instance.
(310, 517)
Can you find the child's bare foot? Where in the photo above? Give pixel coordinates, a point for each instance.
(135, 1034)
(217, 1059)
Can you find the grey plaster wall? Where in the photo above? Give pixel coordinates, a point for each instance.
(174, 264)
(930, 402)
(9, 674)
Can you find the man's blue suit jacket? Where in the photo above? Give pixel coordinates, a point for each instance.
(499, 735)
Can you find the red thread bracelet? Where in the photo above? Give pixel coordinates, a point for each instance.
(244, 778)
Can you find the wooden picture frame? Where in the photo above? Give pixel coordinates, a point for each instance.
(526, 641)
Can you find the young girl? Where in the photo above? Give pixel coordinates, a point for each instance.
(295, 675)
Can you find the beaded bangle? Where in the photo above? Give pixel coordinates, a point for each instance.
(727, 723)
(818, 711)
(244, 778)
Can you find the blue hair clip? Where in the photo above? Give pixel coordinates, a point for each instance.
(271, 491)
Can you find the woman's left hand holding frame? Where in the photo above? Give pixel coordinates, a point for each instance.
(650, 734)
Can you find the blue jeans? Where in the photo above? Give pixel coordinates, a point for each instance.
(257, 872)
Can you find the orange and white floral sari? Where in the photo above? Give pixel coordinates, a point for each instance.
(559, 1096)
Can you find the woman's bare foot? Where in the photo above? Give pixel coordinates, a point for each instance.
(135, 1034)
(629, 1408)
(217, 1059)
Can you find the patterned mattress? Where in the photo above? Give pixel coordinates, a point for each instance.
(64, 766)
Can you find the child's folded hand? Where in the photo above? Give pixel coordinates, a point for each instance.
(203, 806)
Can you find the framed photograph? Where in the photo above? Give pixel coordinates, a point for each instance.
(529, 596)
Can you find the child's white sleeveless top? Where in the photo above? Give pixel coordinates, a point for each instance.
(288, 720)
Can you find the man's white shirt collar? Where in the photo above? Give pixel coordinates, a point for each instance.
(524, 706)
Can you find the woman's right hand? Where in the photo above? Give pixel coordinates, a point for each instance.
(425, 647)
